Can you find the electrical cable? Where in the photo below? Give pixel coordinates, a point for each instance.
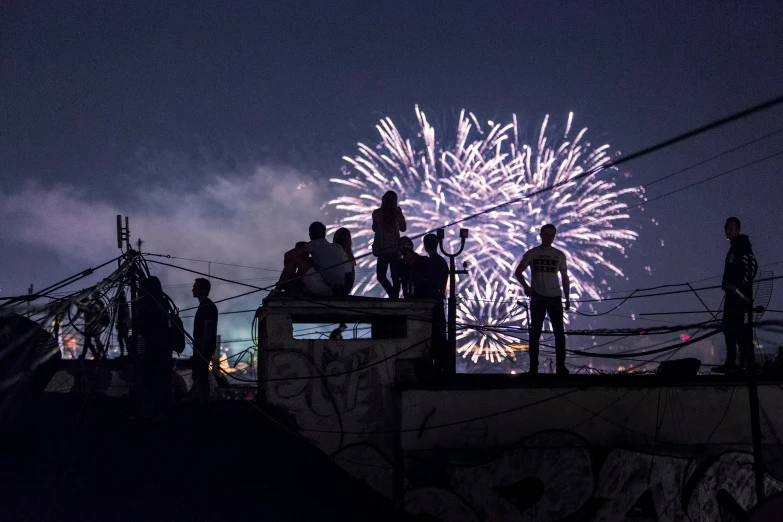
(167, 256)
(625, 159)
(453, 423)
(650, 352)
(41, 501)
(312, 300)
(55, 286)
(729, 151)
(609, 164)
(189, 339)
(716, 176)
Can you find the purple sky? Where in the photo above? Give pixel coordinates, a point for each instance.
(215, 127)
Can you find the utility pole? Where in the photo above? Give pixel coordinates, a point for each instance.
(451, 361)
(753, 396)
(123, 240)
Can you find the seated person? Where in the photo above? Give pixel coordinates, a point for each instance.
(317, 267)
(342, 237)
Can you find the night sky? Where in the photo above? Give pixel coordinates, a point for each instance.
(216, 126)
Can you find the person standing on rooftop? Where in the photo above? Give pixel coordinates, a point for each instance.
(387, 223)
(738, 274)
(545, 262)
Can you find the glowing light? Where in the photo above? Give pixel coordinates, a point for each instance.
(685, 337)
(441, 179)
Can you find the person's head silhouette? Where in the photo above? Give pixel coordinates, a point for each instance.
(317, 230)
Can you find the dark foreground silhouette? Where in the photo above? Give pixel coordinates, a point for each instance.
(87, 461)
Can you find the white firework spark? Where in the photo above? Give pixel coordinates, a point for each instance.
(440, 181)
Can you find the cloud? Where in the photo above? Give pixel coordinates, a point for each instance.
(246, 218)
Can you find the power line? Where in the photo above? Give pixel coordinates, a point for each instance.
(223, 313)
(56, 286)
(611, 164)
(168, 256)
(729, 151)
(649, 352)
(705, 180)
(676, 173)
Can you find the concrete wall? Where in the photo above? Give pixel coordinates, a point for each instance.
(506, 452)
(605, 416)
(601, 453)
(341, 393)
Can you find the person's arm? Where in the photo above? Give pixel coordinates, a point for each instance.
(209, 330)
(402, 223)
(444, 278)
(375, 220)
(520, 272)
(566, 282)
(299, 250)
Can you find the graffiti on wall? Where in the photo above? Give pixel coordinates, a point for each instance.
(556, 476)
(335, 392)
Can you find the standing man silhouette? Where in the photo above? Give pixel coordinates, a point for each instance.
(545, 262)
(204, 339)
(738, 274)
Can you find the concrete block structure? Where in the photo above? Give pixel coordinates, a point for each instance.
(511, 447)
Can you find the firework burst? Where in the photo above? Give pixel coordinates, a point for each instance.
(441, 180)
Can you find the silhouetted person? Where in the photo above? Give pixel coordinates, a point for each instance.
(93, 311)
(317, 267)
(57, 324)
(738, 274)
(545, 262)
(337, 333)
(204, 339)
(123, 322)
(430, 277)
(410, 266)
(154, 364)
(387, 223)
(342, 237)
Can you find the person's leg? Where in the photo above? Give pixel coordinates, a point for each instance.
(381, 268)
(200, 377)
(537, 315)
(148, 388)
(87, 346)
(394, 267)
(555, 310)
(313, 284)
(166, 370)
(295, 266)
(121, 336)
(730, 333)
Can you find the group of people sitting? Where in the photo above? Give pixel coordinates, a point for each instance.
(322, 268)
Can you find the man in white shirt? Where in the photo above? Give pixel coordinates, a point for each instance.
(317, 267)
(545, 262)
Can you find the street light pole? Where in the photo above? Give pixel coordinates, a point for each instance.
(451, 360)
